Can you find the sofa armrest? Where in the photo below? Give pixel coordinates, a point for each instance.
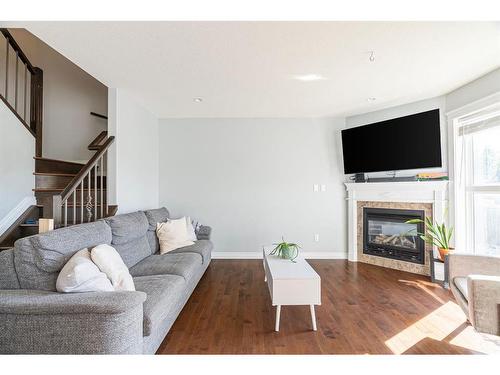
(27, 302)
(484, 303)
(463, 265)
(35, 321)
(204, 232)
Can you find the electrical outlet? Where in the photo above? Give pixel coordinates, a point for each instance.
(316, 237)
(315, 188)
(323, 187)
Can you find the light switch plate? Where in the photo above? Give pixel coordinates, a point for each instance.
(315, 188)
(323, 187)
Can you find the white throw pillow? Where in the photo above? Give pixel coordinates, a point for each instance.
(172, 235)
(80, 274)
(191, 234)
(110, 262)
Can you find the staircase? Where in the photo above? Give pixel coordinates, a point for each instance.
(67, 192)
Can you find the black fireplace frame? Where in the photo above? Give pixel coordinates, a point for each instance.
(394, 252)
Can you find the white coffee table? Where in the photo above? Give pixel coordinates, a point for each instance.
(291, 283)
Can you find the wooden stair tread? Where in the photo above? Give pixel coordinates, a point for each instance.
(49, 190)
(54, 174)
(58, 161)
(78, 204)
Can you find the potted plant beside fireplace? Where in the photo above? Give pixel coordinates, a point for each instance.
(436, 234)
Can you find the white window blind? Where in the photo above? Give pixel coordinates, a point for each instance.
(478, 181)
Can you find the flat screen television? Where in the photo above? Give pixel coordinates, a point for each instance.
(409, 142)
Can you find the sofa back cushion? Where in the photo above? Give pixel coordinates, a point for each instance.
(129, 236)
(8, 275)
(159, 215)
(38, 259)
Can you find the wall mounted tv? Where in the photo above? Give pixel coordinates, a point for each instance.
(409, 142)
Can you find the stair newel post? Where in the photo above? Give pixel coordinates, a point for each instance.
(36, 108)
(95, 191)
(82, 201)
(7, 70)
(74, 206)
(25, 90)
(106, 194)
(101, 166)
(57, 210)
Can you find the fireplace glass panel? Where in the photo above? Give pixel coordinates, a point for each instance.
(391, 233)
(386, 234)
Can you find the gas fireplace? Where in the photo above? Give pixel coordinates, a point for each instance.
(386, 234)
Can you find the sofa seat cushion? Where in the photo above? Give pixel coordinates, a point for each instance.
(129, 236)
(164, 295)
(202, 247)
(185, 265)
(461, 284)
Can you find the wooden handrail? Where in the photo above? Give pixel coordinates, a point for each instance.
(95, 144)
(17, 49)
(99, 115)
(86, 169)
(15, 95)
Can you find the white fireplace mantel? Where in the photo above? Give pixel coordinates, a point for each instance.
(435, 192)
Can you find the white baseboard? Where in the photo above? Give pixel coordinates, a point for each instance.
(258, 255)
(14, 214)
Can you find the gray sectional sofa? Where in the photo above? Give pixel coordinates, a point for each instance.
(34, 318)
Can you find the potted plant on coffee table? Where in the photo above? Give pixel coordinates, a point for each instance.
(286, 250)
(436, 234)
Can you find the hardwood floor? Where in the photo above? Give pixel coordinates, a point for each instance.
(365, 309)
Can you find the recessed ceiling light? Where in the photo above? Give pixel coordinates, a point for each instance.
(371, 99)
(197, 100)
(309, 77)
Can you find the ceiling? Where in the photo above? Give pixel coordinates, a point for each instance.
(247, 69)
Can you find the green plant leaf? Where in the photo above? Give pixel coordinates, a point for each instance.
(450, 233)
(414, 221)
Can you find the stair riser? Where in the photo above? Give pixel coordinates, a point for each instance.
(28, 231)
(56, 166)
(60, 182)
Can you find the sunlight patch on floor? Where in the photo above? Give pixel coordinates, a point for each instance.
(437, 325)
(479, 342)
(424, 286)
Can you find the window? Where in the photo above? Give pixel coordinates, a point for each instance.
(477, 178)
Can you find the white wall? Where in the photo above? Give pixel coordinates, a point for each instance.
(133, 159)
(475, 90)
(17, 147)
(252, 181)
(404, 110)
(69, 95)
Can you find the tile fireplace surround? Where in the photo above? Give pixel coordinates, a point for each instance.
(429, 196)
